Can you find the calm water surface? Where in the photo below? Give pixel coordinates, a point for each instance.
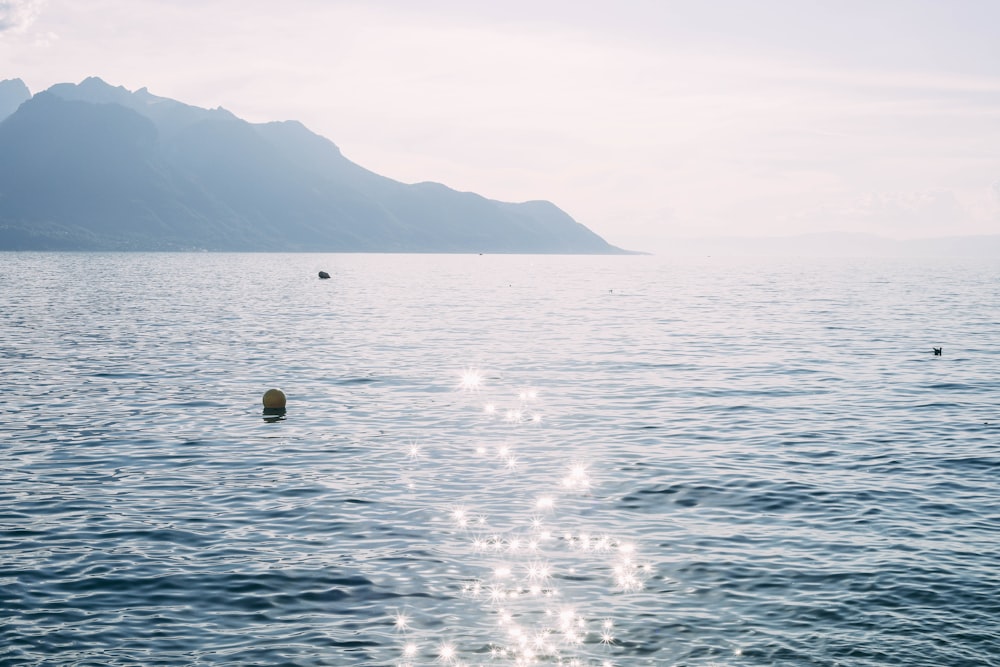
(651, 461)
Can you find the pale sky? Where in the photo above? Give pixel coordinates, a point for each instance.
(643, 119)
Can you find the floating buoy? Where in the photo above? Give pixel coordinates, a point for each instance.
(324, 275)
(274, 399)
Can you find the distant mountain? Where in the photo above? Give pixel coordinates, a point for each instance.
(13, 93)
(97, 167)
(836, 244)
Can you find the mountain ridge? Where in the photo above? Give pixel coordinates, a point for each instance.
(836, 244)
(91, 166)
(13, 92)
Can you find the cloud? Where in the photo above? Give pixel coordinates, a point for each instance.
(18, 15)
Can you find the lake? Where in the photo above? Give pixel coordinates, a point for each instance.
(498, 460)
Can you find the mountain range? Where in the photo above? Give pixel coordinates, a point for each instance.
(92, 166)
(835, 244)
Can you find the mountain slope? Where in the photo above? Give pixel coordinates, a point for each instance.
(92, 166)
(13, 93)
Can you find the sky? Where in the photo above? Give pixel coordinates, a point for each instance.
(646, 120)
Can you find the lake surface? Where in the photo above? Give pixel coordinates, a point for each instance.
(498, 460)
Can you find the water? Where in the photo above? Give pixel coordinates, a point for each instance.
(688, 462)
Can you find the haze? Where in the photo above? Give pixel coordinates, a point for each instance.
(643, 120)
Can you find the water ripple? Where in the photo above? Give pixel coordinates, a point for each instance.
(740, 463)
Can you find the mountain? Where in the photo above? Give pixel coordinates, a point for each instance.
(97, 167)
(13, 92)
(836, 244)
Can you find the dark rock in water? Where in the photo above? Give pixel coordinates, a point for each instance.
(324, 274)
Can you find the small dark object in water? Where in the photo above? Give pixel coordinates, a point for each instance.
(324, 275)
(937, 351)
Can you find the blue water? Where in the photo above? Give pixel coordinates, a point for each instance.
(651, 461)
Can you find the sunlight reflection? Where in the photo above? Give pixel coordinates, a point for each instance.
(471, 380)
(537, 621)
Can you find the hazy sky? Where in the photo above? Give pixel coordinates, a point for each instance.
(642, 119)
